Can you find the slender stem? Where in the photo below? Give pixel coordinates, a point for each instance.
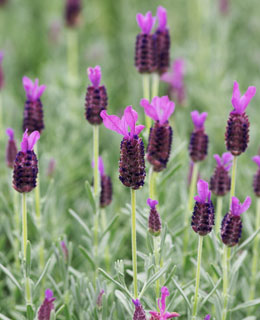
(37, 195)
(1, 117)
(225, 266)
(96, 152)
(146, 94)
(219, 213)
(16, 227)
(104, 225)
(255, 253)
(195, 305)
(72, 55)
(155, 84)
(24, 216)
(233, 180)
(134, 255)
(152, 183)
(156, 246)
(96, 225)
(28, 295)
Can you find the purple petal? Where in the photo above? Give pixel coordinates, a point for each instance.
(32, 139)
(149, 109)
(48, 294)
(198, 119)
(10, 133)
(33, 90)
(136, 302)
(240, 103)
(139, 128)
(101, 166)
(155, 314)
(236, 95)
(131, 116)
(245, 206)
(218, 159)
(168, 109)
(94, 75)
(145, 22)
(203, 191)
(1, 56)
(170, 315)
(112, 122)
(226, 157)
(256, 159)
(152, 203)
(246, 98)
(235, 206)
(162, 18)
(207, 317)
(24, 143)
(165, 293)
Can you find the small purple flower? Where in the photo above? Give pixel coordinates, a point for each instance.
(1, 70)
(139, 313)
(163, 314)
(47, 306)
(65, 250)
(160, 109)
(207, 317)
(11, 149)
(256, 159)
(162, 18)
(154, 221)
(94, 75)
(198, 119)
(33, 90)
(237, 208)
(145, 22)
(99, 299)
(204, 195)
(240, 103)
(29, 141)
(224, 161)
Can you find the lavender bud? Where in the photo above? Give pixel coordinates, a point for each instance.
(231, 229)
(145, 53)
(47, 306)
(72, 12)
(220, 182)
(33, 116)
(11, 149)
(159, 145)
(99, 299)
(256, 183)
(163, 43)
(131, 163)
(65, 250)
(198, 147)
(154, 221)
(96, 101)
(139, 313)
(106, 191)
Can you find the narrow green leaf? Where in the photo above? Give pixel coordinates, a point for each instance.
(248, 240)
(90, 196)
(215, 270)
(28, 259)
(43, 273)
(170, 173)
(239, 262)
(3, 317)
(246, 304)
(182, 293)
(59, 311)
(211, 293)
(80, 221)
(123, 301)
(109, 226)
(167, 281)
(30, 312)
(88, 257)
(12, 278)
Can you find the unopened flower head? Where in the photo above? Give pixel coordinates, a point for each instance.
(51, 167)
(163, 314)
(175, 79)
(154, 222)
(231, 226)
(256, 181)
(1, 70)
(96, 97)
(220, 182)
(237, 130)
(11, 149)
(160, 137)
(131, 164)
(203, 212)
(47, 306)
(33, 109)
(145, 53)
(99, 299)
(72, 12)
(198, 147)
(65, 250)
(139, 313)
(26, 164)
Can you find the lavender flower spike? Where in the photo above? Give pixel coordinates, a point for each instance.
(207, 317)
(65, 251)
(47, 306)
(163, 314)
(154, 221)
(231, 226)
(11, 150)
(145, 22)
(203, 213)
(1, 70)
(139, 313)
(240, 103)
(256, 182)
(198, 119)
(131, 164)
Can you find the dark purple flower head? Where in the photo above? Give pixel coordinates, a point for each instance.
(1, 70)
(224, 161)
(160, 109)
(72, 12)
(204, 194)
(145, 22)
(139, 313)
(122, 126)
(33, 90)
(154, 221)
(44, 312)
(237, 208)
(198, 119)
(207, 317)
(239, 102)
(162, 18)
(163, 314)
(11, 150)
(94, 75)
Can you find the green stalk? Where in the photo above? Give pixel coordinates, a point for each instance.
(28, 295)
(255, 253)
(219, 213)
(152, 183)
(96, 152)
(72, 55)
(156, 247)
(1, 117)
(146, 94)
(17, 227)
(104, 226)
(195, 305)
(155, 84)
(134, 254)
(233, 180)
(24, 217)
(225, 266)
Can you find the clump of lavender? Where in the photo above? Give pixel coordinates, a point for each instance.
(203, 213)
(175, 79)
(11, 149)
(131, 163)
(33, 110)
(162, 41)
(96, 97)
(256, 181)
(72, 12)
(47, 306)
(145, 53)
(1, 70)
(198, 147)
(163, 314)
(160, 137)
(220, 182)
(231, 226)
(237, 130)
(139, 313)
(26, 164)
(154, 221)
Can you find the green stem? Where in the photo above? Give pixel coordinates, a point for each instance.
(225, 266)
(37, 195)
(233, 180)
(104, 225)
(255, 253)
(155, 84)
(28, 295)
(219, 213)
(1, 117)
(156, 246)
(134, 255)
(96, 227)
(146, 94)
(195, 305)
(152, 183)
(95, 152)
(16, 227)
(24, 216)
(72, 55)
